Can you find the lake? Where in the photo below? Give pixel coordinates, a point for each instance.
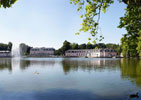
(69, 78)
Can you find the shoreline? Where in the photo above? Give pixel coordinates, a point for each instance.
(66, 57)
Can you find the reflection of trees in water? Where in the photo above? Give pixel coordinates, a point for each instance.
(24, 64)
(131, 69)
(27, 63)
(5, 63)
(97, 65)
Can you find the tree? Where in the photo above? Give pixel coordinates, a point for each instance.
(3, 47)
(116, 47)
(131, 20)
(139, 44)
(132, 23)
(6, 47)
(101, 45)
(58, 52)
(7, 3)
(129, 45)
(82, 46)
(74, 46)
(89, 46)
(10, 46)
(66, 46)
(24, 49)
(93, 10)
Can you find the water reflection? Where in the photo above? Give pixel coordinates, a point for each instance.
(76, 78)
(5, 64)
(24, 64)
(131, 69)
(89, 65)
(54, 94)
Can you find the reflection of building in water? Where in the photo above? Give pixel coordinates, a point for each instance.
(131, 69)
(91, 53)
(28, 63)
(42, 51)
(89, 65)
(5, 64)
(5, 54)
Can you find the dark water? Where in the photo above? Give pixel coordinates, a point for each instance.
(69, 79)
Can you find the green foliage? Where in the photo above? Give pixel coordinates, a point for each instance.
(131, 2)
(89, 46)
(139, 44)
(77, 33)
(67, 45)
(24, 49)
(6, 3)
(59, 52)
(74, 46)
(9, 46)
(25, 53)
(116, 47)
(6, 47)
(82, 46)
(131, 68)
(92, 11)
(132, 23)
(131, 20)
(131, 45)
(101, 45)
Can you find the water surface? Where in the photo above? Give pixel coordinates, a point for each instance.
(69, 78)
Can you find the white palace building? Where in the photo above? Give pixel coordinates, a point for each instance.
(91, 53)
(5, 54)
(42, 51)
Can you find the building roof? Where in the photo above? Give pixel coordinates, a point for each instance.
(89, 49)
(43, 48)
(4, 51)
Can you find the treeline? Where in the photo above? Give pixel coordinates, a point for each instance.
(131, 45)
(67, 45)
(6, 47)
(127, 49)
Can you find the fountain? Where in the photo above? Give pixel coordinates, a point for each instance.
(15, 51)
(20, 51)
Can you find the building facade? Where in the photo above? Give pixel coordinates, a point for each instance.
(91, 53)
(42, 51)
(5, 54)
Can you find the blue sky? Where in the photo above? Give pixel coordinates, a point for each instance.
(49, 22)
